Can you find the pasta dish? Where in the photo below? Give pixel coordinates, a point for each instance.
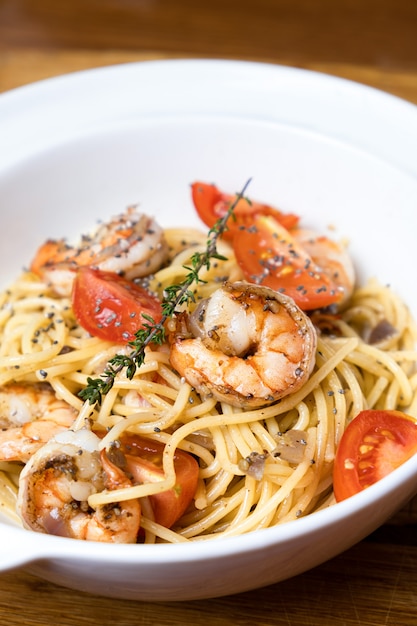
(231, 421)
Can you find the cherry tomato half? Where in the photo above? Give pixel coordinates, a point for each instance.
(144, 462)
(211, 204)
(374, 444)
(110, 307)
(268, 255)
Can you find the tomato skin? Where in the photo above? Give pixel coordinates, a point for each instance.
(268, 255)
(374, 444)
(144, 462)
(110, 307)
(211, 204)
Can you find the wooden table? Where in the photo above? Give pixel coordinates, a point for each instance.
(370, 41)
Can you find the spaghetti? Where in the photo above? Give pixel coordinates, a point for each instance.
(258, 467)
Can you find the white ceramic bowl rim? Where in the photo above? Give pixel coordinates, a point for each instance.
(65, 107)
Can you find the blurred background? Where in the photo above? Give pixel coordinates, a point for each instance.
(374, 41)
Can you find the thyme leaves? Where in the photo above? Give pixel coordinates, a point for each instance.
(174, 297)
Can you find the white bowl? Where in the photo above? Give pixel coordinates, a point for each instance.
(84, 146)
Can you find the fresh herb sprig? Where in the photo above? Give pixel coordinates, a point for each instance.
(174, 297)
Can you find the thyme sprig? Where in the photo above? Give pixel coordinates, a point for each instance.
(174, 297)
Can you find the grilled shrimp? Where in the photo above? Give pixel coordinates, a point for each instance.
(56, 483)
(247, 345)
(313, 270)
(29, 416)
(131, 244)
(331, 257)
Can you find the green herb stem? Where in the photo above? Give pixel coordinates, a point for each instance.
(174, 297)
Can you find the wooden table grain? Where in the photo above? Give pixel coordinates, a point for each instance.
(370, 41)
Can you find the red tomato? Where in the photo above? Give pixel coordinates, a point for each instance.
(144, 462)
(211, 204)
(110, 307)
(375, 443)
(268, 255)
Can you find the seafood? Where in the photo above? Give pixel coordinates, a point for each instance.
(313, 270)
(56, 483)
(132, 244)
(331, 257)
(29, 416)
(247, 345)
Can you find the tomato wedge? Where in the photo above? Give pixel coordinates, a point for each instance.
(211, 204)
(374, 444)
(268, 255)
(110, 307)
(144, 462)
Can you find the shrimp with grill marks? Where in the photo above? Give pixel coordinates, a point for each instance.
(132, 244)
(56, 483)
(246, 344)
(30, 414)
